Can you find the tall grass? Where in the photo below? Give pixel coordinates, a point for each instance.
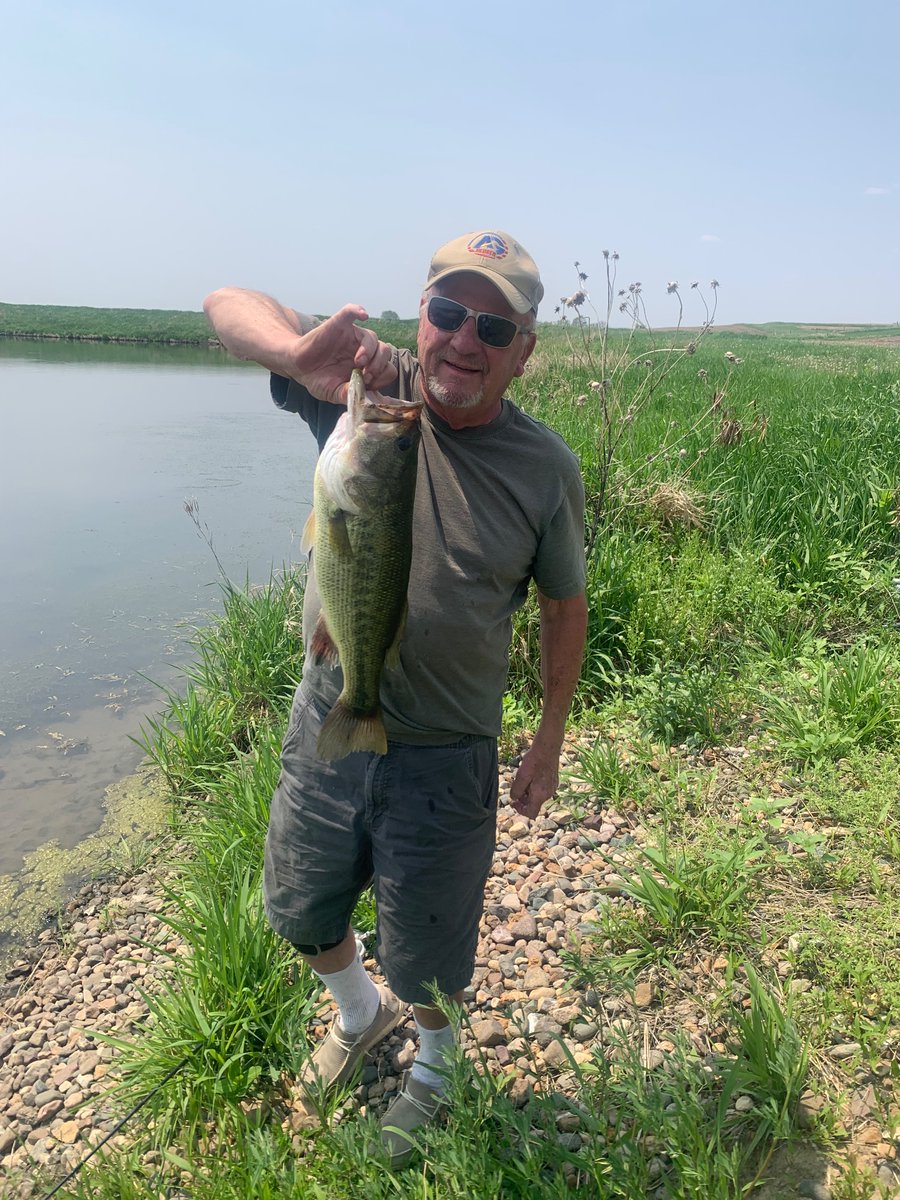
(744, 586)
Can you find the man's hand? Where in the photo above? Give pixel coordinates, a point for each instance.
(257, 327)
(323, 358)
(535, 781)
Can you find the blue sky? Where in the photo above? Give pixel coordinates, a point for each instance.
(152, 152)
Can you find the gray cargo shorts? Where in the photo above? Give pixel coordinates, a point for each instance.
(419, 823)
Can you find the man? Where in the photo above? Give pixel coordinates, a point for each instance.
(499, 501)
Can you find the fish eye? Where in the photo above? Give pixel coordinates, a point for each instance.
(404, 443)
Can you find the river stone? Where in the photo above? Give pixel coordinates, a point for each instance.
(488, 1032)
(524, 927)
(811, 1189)
(844, 1050)
(535, 977)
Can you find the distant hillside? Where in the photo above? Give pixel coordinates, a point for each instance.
(174, 327)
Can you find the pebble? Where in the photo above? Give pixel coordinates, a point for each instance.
(811, 1189)
(844, 1050)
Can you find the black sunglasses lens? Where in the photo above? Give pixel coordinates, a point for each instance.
(495, 331)
(445, 314)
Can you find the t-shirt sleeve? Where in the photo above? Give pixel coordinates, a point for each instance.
(559, 566)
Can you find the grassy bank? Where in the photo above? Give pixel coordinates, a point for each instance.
(191, 328)
(104, 324)
(740, 703)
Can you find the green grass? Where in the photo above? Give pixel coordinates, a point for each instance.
(739, 704)
(104, 324)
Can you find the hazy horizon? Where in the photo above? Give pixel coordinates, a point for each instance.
(321, 156)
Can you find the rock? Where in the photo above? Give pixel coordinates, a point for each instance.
(862, 1101)
(653, 1059)
(808, 1109)
(584, 1031)
(844, 1050)
(568, 1122)
(644, 995)
(520, 1092)
(535, 977)
(524, 927)
(49, 1110)
(488, 1033)
(556, 1054)
(503, 935)
(743, 1104)
(811, 1189)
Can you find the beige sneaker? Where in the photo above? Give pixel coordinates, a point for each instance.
(339, 1055)
(416, 1104)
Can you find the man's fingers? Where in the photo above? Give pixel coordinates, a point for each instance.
(349, 314)
(374, 357)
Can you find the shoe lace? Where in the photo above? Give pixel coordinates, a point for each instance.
(426, 1107)
(346, 1041)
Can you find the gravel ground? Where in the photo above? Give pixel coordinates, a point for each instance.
(542, 895)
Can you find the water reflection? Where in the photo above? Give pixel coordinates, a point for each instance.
(103, 572)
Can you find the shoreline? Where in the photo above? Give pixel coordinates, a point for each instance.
(137, 810)
(106, 339)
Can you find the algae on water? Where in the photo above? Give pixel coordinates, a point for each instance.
(137, 811)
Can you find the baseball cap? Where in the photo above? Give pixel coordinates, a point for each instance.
(496, 256)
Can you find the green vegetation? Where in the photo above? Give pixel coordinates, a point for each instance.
(740, 707)
(104, 324)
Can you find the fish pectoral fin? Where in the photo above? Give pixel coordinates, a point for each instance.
(322, 647)
(338, 534)
(392, 658)
(308, 538)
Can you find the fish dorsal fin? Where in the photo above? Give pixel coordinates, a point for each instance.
(308, 537)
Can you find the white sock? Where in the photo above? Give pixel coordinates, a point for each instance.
(355, 995)
(435, 1050)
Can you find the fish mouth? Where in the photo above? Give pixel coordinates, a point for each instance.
(385, 409)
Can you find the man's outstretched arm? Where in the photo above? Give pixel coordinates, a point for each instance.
(254, 326)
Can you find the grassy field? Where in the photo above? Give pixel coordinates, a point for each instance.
(192, 328)
(103, 324)
(740, 701)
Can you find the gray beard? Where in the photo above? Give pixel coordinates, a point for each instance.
(450, 399)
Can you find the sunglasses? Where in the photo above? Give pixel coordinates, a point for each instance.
(492, 330)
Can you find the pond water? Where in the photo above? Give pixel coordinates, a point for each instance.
(104, 574)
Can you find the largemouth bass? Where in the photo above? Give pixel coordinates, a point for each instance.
(361, 533)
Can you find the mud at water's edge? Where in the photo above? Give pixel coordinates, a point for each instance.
(138, 809)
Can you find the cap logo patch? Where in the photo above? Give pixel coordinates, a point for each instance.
(488, 245)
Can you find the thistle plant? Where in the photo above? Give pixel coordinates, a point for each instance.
(630, 366)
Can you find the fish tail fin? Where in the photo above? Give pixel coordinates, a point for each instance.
(344, 731)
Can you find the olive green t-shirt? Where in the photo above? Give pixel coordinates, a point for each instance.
(496, 506)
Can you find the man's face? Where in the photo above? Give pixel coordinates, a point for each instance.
(464, 379)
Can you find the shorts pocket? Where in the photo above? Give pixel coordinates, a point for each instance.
(483, 768)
